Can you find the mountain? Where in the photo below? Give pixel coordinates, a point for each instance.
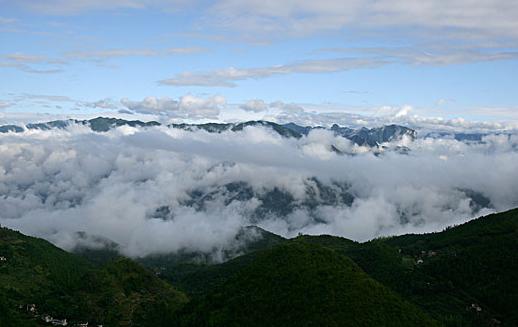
(462, 276)
(298, 284)
(218, 128)
(476, 261)
(38, 279)
(195, 272)
(99, 124)
(273, 201)
(368, 137)
(473, 137)
(375, 136)
(364, 136)
(11, 129)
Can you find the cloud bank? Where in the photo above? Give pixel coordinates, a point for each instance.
(160, 190)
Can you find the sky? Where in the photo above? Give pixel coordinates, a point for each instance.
(234, 60)
(431, 65)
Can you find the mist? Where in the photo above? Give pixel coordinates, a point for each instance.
(161, 190)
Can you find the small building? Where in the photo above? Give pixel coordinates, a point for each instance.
(476, 307)
(31, 308)
(2, 258)
(59, 322)
(84, 324)
(46, 318)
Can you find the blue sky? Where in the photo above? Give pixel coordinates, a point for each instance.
(196, 59)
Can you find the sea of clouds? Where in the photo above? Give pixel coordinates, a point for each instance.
(54, 184)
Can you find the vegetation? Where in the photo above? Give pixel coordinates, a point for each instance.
(64, 285)
(448, 274)
(298, 284)
(463, 276)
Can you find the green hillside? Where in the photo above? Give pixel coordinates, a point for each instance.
(476, 261)
(298, 284)
(463, 276)
(64, 285)
(446, 273)
(194, 273)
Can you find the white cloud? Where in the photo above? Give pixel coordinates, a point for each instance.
(4, 104)
(288, 107)
(187, 106)
(150, 105)
(7, 21)
(302, 17)
(101, 55)
(436, 54)
(55, 183)
(35, 64)
(65, 7)
(476, 21)
(201, 108)
(255, 105)
(229, 76)
(102, 104)
(420, 119)
(45, 97)
(360, 58)
(192, 108)
(31, 63)
(503, 113)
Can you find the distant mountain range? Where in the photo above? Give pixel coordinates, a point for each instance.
(281, 203)
(372, 137)
(462, 276)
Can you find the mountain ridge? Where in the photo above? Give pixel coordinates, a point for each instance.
(372, 137)
(461, 276)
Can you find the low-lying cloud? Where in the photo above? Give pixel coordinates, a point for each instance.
(160, 190)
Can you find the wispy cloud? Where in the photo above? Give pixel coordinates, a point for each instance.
(65, 7)
(4, 104)
(459, 18)
(229, 76)
(44, 97)
(7, 21)
(101, 55)
(35, 64)
(40, 64)
(365, 58)
(259, 19)
(430, 55)
(508, 113)
(53, 100)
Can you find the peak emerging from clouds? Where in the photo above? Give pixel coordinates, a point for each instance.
(363, 137)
